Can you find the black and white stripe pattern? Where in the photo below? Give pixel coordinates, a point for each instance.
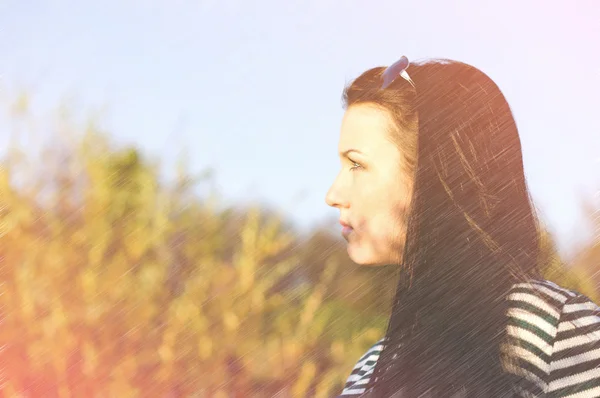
(555, 338)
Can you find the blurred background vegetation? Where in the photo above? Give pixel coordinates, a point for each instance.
(117, 283)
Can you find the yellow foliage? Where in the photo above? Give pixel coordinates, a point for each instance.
(116, 285)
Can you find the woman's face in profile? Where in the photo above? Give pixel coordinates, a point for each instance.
(373, 189)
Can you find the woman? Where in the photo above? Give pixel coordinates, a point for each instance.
(432, 179)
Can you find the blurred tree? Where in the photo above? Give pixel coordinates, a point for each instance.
(118, 283)
(559, 271)
(586, 262)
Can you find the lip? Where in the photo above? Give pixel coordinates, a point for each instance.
(346, 229)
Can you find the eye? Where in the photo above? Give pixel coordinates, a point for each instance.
(354, 165)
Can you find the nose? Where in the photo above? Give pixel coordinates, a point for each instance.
(334, 196)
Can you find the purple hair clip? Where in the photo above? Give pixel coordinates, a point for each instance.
(397, 69)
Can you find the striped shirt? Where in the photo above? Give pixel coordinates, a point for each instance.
(557, 336)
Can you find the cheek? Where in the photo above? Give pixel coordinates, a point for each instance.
(391, 219)
(381, 203)
(385, 215)
(381, 214)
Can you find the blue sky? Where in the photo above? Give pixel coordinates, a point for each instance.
(253, 89)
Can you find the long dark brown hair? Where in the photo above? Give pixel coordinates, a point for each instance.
(472, 232)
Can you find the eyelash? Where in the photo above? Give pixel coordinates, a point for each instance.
(354, 166)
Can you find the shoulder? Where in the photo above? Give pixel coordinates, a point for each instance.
(549, 311)
(561, 328)
(539, 300)
(575, 365)
(362, 371)
(549, 291)
(551, 303)
(534, 313)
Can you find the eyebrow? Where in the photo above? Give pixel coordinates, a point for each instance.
(348, 151)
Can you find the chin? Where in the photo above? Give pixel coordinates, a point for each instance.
(364, 257)
(369, 256)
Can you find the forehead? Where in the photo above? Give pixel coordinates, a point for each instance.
(365, 126)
